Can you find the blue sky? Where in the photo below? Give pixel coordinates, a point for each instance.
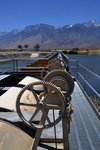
(21, 13)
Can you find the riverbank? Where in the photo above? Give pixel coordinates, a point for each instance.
(94, 52)
(82, 52)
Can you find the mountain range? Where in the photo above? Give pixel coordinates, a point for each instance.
(84, 35)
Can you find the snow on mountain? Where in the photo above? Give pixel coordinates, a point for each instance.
(92, 23)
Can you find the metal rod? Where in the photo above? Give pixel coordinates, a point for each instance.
(90, 71)
(16, 65)
(77, 69)
(90, 86)
(84, 78)
(13, 63)
(55, 130)
(37, 139)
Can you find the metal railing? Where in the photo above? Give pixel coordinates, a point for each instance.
(9, 65)
(65, 59)
(6, 66)
(53, 56)
(88, 79)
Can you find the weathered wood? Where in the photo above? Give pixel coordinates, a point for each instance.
(51, 140)
(28, 80)
(41, 62)
(8, 99)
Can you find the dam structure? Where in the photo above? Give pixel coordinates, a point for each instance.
(46, 105)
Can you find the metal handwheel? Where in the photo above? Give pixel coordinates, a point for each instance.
(61, 79)
(56, 65)
(52, 99)
(53, 66)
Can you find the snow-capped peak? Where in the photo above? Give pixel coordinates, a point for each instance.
(92, 23)
(71, 26)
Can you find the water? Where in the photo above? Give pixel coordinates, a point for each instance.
(93, 64)
(8, 66)
(89, 61)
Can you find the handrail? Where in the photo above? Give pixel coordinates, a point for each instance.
(90, 85)
(76, 68)
(15, 62)
(7, 68)
(53, 56)
(7, 60)
(65, 60)
(89, 71)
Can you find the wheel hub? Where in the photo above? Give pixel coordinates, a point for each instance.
(41, 105)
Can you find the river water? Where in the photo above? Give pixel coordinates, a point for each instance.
(89, 61)
(93, 64)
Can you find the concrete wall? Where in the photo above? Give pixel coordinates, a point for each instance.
(8, 55)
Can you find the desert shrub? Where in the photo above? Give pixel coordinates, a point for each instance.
(72, 52)
(83, 52)
(65, 52)
(96, 102)
(75, 49)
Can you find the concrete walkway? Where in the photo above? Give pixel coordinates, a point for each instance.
(85, 126)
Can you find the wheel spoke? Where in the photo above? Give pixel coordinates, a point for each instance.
(49, 121)
(35, 113)
(31, 105)
(34, 94)
(45, 114)
(46, 96)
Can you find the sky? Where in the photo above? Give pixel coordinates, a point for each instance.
(17, 14)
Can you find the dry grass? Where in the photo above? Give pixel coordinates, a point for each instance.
(83, 52)
(96, 102)
(94, 52)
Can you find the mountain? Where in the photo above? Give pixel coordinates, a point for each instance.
(50, 37)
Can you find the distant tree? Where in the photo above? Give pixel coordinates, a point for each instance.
(20, 47)
(36, 46)
(65, 52)
(26, 46)
(72, 52)
(75, 49)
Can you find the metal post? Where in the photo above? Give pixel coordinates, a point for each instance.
(65, 133)
(77, 69)
(84, 78)
(39, 132)
(37, 139)
(16, 65)
(13, 65)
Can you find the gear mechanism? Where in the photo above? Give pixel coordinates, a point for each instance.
(40, 106)
(61, 79)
